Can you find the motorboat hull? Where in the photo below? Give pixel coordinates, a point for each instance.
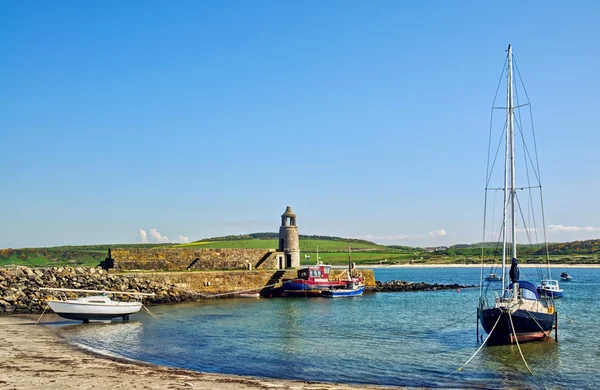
(528, 326)
(550, 293)
(343, 292)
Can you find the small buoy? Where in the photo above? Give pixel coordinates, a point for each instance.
(458, 290)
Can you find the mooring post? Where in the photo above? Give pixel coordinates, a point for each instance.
(556, 326)
(477, 325)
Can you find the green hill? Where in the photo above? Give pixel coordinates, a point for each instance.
(332, 250)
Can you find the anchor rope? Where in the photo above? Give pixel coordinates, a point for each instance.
(512, 326)
(40, 317)
(536, 321)
(482, 344)
(149, 312)
(236, 292)
(459, 321)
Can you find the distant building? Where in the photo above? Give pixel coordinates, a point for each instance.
(432, 249)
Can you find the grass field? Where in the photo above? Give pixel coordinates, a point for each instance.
(40, 261)
(305, 245)
(332, 251)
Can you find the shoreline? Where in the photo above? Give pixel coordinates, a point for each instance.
(379, 266)
(35, 357)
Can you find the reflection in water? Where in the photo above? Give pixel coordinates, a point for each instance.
(397, 339)
(506, 365)
(103, 336)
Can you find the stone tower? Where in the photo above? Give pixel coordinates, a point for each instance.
(289, 241)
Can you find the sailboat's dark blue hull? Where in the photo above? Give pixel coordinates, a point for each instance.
(529, 326)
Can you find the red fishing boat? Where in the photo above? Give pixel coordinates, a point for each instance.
(311, 281)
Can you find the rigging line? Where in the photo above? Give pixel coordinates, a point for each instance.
(525, 153)
(531, 118)
(483, 245)
(500, 80)
(493, 266)
(538, 171)
(523, 218)
(521, 352)
(514, 108)
(545, 240)
(516, 188)
(491, 170)
(492, 116)
(482, 344)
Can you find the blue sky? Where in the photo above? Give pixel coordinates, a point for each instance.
(199, 119)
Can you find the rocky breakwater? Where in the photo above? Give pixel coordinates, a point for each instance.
(20, 286)
(403, 286)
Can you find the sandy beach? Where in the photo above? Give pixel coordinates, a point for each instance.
(34, 357)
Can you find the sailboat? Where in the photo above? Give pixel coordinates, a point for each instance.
(518, 313)
(96, 307)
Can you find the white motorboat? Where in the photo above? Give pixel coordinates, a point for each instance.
(550, 288)
(95, 307)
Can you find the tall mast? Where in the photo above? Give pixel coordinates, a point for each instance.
(511, 131)
(506, 165)
(349, 263)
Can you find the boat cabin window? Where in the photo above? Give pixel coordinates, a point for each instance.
(327, 270)
(90, 301)
(315, 273)
(527, 294)
(303, 273)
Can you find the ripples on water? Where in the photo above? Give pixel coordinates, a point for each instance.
(401, 339)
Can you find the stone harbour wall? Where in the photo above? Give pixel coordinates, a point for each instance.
(20, 287)
(208, 283)
(182, 259)
(219, 282)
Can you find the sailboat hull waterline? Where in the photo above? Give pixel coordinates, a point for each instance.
(86, 310)
(528, 326)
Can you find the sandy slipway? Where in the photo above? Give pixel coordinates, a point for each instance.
(20, 286)
(403, 286)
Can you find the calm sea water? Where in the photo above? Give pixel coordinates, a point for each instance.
(398, 339)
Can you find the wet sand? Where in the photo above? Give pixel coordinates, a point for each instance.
(34, 357)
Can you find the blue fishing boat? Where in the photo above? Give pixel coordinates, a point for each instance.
(352, 289)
